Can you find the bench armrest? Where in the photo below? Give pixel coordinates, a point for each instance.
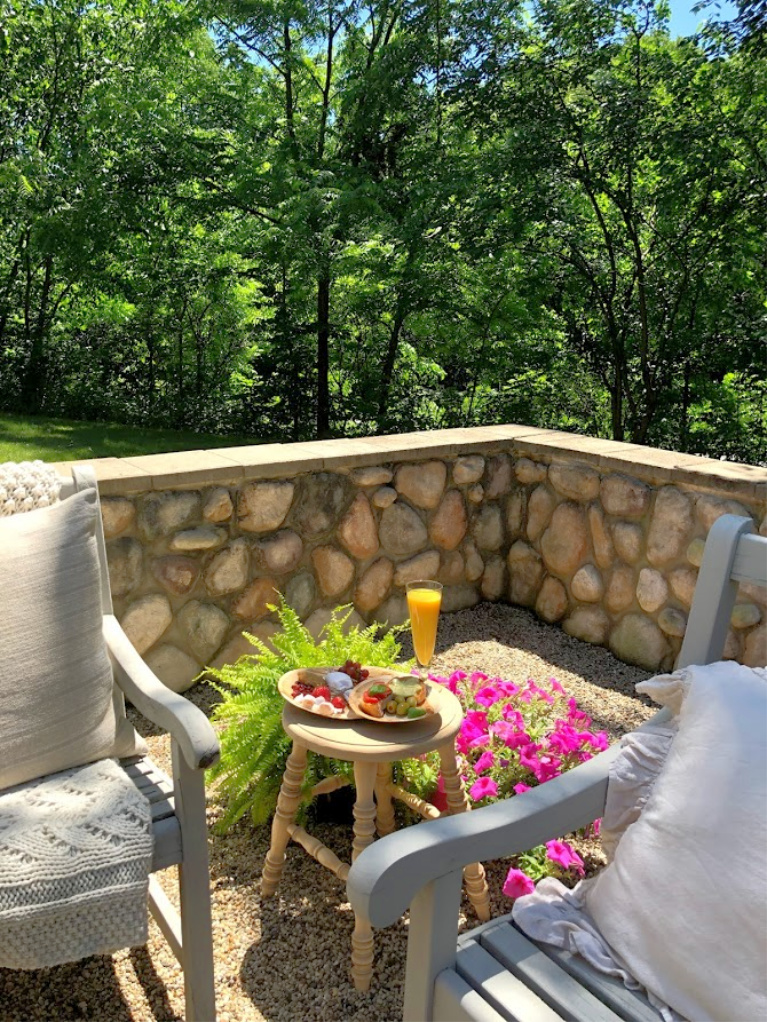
(388, 874)
(184, 721)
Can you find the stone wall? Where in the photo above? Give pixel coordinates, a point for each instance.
(604, 538)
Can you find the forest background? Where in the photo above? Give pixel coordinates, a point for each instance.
(289, 219)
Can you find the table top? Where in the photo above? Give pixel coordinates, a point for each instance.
(359, 739)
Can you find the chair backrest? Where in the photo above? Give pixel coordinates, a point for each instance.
(84, 478)
(733, 554)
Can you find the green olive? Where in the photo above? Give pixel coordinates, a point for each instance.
(412, 701)
(391, 706)
(401, 710)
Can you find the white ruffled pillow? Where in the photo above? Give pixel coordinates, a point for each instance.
(683, 904)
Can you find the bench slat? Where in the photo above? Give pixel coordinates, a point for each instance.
(503, 991)
(550, 982)
(456, 1001)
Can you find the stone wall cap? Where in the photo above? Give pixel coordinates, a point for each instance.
(115, 476)
(181, 469)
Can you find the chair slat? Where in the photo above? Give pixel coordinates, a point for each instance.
(167, 843)
(456, 1001)
(629, 1005)
(503, 991)
(550, 982)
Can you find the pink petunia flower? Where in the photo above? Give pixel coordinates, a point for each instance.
(565, 856)
(487, 696)
(517, 884)
(519, 788)
(556, 687)
(485, 787)
(596, 826)
(485, 762)
(477, 678)
(508, 688)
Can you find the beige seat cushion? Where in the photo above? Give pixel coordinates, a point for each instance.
(56, 686)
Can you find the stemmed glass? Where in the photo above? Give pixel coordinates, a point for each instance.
(424, 599)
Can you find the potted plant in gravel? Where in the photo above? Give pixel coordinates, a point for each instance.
(254, 747)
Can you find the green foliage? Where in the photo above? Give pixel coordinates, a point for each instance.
(254, 747)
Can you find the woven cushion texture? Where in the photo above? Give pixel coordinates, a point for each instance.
(56, 705)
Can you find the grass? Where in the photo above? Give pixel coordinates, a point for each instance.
(27, 437)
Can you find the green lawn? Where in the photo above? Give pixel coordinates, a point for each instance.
(26, 437)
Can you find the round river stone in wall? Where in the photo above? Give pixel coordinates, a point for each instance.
(334, 569)
(551, 604)
(204, 537)
(448, 523)
(672, 621)
(317, 621)
(755, 650)
(218, 505)
(401, 530)
(384, 496)
(604, 552)
(652, 590)
(163, 513)
(624, 496)
(204, 626)
(468, 469)
(393, 612)
(683, 582)
(252, 604)
(628, 541)
(374, 475)
(358, 531)
(620, 589)
(262, 507)
(515, 513)
(488, 528)
(708, 509)
(578, 482)
(529, 471)
(422, 483)
(587, 584)
(475, 494)
(452, 569)
(459, 598)
(118, 514)
(237, 646)
(745, 615)
(374, 585)
(589, 624)
(175, 573)
(525, 574)
(494, 578)
(565, 544)
(695, 552)
(474, 563)
(228, 571)
(542, 502)
(280, 553)
(499, 476)
(300, 593)
(146, 619)
(319, 503)
(424, 566)
(671, 525)
(636, 639)
(173, 667)
(125, 560)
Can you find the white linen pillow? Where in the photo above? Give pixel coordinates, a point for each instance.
(56, 685)
(684, 901)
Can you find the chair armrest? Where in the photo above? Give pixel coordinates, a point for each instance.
(184, 721)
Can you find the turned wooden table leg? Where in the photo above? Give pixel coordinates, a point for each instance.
(364, 832)
(287, 806)
(457, 802)
(385, 806)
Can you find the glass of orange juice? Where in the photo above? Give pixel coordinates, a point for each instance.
(424, 599)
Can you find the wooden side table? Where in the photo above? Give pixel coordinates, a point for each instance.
(372, 748)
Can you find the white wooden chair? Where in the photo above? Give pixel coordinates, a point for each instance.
(495, 972)
(178, 805)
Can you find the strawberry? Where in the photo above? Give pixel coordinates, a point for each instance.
(322, 692)
(338, 702)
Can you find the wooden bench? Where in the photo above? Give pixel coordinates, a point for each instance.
(495, 973)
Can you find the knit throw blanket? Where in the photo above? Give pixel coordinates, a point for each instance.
(26, 485)
(75, 854)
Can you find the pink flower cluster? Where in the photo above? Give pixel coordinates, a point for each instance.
(515, 737)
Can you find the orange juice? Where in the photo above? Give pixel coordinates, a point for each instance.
(424, 605)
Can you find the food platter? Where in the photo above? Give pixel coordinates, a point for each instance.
(426, 705)
(314, 678)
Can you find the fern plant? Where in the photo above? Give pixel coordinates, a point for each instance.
(254, 747)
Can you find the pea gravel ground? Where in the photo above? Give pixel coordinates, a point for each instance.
(287, 958)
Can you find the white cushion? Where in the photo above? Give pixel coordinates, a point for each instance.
(683, 904)
(56, 686)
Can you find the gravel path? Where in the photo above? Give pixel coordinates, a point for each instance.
(288, 958)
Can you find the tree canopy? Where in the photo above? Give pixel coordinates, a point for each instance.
(295, 219)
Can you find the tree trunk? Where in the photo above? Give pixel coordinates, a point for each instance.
(387, 369)
(323, 355)
(33, 381)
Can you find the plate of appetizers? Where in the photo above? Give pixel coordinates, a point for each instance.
(326, 691)
(393, 698)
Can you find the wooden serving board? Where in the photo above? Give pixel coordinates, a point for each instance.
(355, 699)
